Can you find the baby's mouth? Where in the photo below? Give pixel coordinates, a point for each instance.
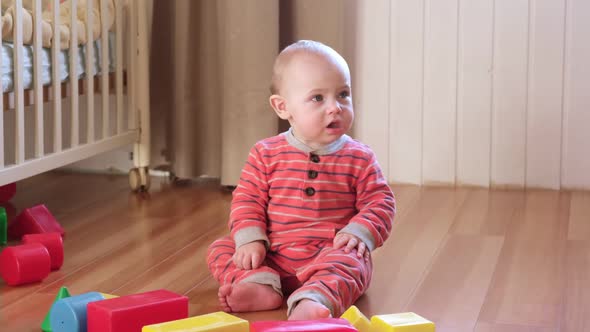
(333, 124)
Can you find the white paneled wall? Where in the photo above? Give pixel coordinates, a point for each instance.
(440, 91)
(372, 125)
(575, 154)
(406, 97)
(509, 92)
(474, 91)
(481, 92)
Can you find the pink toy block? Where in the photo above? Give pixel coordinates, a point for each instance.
(24, 264)
(326, 325)
(34, 220)
(54, 244)
(130, 313)
(7, 191)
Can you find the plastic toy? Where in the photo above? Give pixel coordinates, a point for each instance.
(327, 325)
(7, 191)
(24, 264)
(108, 296)
(3, 226)
(215, 322)
(62, 294)
(402, 322)
(34, 220)
(357, 319)
(132, 312)
(69, 314)
(54, 244)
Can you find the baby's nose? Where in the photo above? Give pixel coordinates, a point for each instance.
(334, 107)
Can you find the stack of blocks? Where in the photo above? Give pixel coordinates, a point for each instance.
(41, 250)
(400, 322)
(165, 311)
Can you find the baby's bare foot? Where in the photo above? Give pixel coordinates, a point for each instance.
(248, 296)
(309, 310)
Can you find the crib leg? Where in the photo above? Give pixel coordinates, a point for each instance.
(139, 178)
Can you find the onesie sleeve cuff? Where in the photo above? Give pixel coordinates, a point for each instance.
(250, 234)
(362, 233)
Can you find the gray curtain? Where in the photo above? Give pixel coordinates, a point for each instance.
(211, 67)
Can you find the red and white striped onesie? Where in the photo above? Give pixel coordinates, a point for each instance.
(296, 200)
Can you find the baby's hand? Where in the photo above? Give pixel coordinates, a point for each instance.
(350, 242)
(250, 255)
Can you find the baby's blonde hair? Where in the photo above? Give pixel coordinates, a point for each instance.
(301, 46)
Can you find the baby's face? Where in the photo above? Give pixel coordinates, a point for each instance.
(318, 98)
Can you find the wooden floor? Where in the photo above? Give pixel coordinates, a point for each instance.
(467, 259)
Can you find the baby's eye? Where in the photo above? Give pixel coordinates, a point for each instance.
(317, 98)
(344, 94)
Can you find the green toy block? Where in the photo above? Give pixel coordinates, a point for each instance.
(402, 322)
(357, 319)
(3, 226)
(46, 325)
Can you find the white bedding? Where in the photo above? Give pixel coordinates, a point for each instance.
(7, 60)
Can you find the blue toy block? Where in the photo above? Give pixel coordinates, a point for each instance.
(69, 314)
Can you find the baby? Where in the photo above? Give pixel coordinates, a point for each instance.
(311, 204)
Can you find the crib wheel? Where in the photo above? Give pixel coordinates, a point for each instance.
(139, 179)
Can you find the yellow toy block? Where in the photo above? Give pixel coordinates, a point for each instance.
(215, 322)
(356, 318)
(108, 296)
(402, 322)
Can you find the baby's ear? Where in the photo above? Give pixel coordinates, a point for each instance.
(279, 105)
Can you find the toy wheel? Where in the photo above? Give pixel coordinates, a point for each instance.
(139, 179)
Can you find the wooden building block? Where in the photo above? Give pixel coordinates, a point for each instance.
(132, 312)
(3, 226)
(402, 322)
(326, 325)
(54, 244)
(61, 294)
(7, 191)
(69, 314)
(215, 322)
(24, 264)
(108, 296)
(34, 220)
(357, 319)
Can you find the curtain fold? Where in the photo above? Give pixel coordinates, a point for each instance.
(211, 67)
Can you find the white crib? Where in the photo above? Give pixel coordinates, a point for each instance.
(88, 112)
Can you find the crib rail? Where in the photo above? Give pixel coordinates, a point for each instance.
(130, 122)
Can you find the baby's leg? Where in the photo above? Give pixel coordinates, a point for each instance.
(242, 290)
(334, 280)
(309, 310)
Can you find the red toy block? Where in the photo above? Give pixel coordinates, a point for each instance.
(326, 325)
(34, 220)
(24, 264)
(7, 191)
(132, 312)
(54, 244)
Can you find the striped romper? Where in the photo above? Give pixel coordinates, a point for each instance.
(296, 200)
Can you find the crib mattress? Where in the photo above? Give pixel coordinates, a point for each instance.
(64, 60)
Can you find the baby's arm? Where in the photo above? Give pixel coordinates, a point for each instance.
(376, 205)
(349, 242)
(248, 213)
(250, 255)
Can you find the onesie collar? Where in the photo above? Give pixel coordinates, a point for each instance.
(326, 149)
